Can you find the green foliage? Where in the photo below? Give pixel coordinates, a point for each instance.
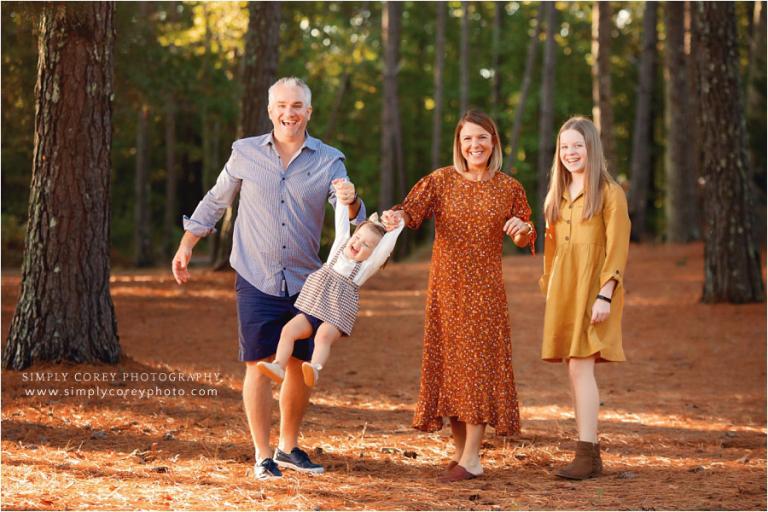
(164, 50)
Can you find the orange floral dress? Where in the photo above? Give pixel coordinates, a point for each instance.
(466, 368)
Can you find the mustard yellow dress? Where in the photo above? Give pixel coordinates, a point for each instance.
(580, 256)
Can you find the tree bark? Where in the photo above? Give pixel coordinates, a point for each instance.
(262, 42)
(142, 239)
(65, 311)
(464, 60)
(680, 227)
(171, 178)
(693, 146)
(642, 133)
(391, 141)
(732, 270)
(546, 115)
(756, 120)
(498, 18)
(602, 112)
(530, 61)
(437, 113)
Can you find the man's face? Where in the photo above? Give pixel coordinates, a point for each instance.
(289, 112)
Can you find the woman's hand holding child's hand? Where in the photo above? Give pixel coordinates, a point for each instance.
(391, 219)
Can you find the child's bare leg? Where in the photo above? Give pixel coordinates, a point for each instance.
(298, 328)
(326, 335)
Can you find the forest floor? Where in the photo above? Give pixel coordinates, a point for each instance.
(683, 423)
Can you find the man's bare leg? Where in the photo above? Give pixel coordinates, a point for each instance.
(294, 398)
(257, 401)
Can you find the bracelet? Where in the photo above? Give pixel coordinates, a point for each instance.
(603, 297)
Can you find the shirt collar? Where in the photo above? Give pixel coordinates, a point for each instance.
(567, 196)
(309, 141)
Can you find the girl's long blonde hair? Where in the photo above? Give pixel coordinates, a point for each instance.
(595, 178)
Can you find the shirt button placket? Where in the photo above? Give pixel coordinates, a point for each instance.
(283, 216)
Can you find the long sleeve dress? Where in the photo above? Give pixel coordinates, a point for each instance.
(466, 369)
(580, 256)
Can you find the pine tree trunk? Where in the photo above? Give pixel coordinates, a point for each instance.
(546, 116)
(530, 61)
(171, 178)
(498, 18)
(602, 112)
(642, 133)
(142, 241)
(756, 120)
(65, 311)
(262, 42)
(437, 114)
(345, 82)
(693, 146)
(732, 270)
(464, 60)
(391, 143)
(679, 183)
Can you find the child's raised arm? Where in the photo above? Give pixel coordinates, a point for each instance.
(341, 223)
(379, 255)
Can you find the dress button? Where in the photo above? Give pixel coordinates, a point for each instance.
(569, 207)
(567, 238)
(282, 201)
(567, 222)
(283, 247)
(283, 223)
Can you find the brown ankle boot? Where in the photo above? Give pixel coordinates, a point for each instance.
(586, 464)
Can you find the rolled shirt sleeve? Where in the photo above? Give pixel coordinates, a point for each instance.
(617, 230)
(215, 202)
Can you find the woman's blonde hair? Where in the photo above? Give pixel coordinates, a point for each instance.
(481, 119)
(596, 174)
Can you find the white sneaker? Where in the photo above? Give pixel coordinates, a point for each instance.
(271, 370)
(311, 374)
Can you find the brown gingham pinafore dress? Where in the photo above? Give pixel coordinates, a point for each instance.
(330, 296)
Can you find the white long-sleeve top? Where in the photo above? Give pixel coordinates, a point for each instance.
(344, 265)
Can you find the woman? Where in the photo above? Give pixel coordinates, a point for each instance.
(466, 369)
(585, 253)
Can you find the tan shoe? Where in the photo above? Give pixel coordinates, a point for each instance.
(586, 464)
(272, 370)
(311, 374)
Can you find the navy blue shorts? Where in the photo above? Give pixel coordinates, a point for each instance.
(261, 317)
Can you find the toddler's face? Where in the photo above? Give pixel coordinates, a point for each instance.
(361, 244)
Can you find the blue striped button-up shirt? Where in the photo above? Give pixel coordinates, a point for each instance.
(276, 236)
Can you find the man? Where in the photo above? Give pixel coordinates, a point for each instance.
(284, 178)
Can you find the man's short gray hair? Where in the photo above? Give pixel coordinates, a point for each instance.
(294, 82)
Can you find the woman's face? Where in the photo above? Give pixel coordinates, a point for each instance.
(573, 151)
(476, 146)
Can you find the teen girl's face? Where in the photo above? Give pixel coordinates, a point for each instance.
(361, 244)
(476, 146)
(573, 151)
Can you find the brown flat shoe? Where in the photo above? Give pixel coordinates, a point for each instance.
(456, 474)
(452, 465)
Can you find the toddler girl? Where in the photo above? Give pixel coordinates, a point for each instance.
(329, 299)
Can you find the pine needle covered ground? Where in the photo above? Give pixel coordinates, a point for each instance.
(683, 423)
